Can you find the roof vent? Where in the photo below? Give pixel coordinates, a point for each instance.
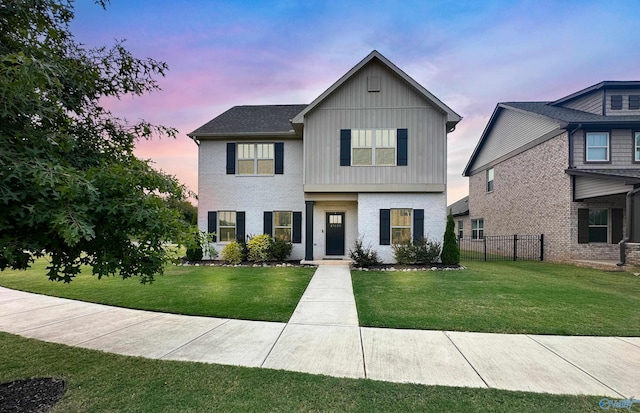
(373, 83)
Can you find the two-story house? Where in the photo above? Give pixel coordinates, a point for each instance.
(567, 169)
(366, 159)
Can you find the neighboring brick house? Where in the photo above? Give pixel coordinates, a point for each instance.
(367, 158)
(563, 169)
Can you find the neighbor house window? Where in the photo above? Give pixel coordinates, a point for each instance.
(256, 158)
(282, 225)
(634, 102)
(598, 225)
(597, 147)
(460, 229)
(616, 102)
(400, 226)
(373, 147)
(490, 173)
(477, 228)
(637, 146)
(227, 226)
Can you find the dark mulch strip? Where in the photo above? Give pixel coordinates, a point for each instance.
(30, 395)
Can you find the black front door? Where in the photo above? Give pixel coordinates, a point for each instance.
(335, 233)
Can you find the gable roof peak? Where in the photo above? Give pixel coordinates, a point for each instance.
(452, 117)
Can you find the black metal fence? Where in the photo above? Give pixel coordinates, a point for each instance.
(502, 248)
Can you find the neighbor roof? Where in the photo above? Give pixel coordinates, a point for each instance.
(250, 120)
(460, 207)
(567, 115)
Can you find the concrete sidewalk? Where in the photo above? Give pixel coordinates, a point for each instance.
(323, 337)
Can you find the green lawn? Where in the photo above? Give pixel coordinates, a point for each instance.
(263, 293)
(101, 382)
(504, 297)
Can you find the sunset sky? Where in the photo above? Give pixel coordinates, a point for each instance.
(470, 54)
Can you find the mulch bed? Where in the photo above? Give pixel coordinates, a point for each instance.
(31, 395)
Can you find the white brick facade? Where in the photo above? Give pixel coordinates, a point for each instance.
(251, 194)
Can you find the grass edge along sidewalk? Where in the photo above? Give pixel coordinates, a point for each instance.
(502, 297)
(97, 382)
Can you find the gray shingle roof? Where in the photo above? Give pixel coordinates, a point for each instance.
(620, 174)
(460, 207)
(569, 115)
(251, 120)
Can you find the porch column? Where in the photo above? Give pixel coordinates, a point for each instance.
(308, 237)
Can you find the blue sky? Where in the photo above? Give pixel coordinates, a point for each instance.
(470, 54)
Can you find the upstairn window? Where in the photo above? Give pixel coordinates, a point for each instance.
(490, 176)
(597, 147)
(636, 140)
(256, 158)
(373, 147)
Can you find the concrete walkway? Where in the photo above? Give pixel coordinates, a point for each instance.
(323, 337)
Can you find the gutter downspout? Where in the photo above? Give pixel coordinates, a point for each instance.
(623, 255)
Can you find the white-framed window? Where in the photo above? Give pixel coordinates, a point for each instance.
(460, 229)
(598, 225)
(227, 226)
(282, 225)
(477, 228)
(490, 175)
(597, 147)
(256, 158)
(636, 144)
(400, 226)
(373, 147)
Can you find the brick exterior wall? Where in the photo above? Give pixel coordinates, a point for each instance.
(533, 195)
(369, 205)
(218, 191)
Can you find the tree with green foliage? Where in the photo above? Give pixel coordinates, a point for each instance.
(450, 249)
(70, 185)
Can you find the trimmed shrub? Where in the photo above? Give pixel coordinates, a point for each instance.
(364, 256)
(232, 253)
(194, 252)
(420, 251)
(281, 249)
(450, 249)
(260, 248)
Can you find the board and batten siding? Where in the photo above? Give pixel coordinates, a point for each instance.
(397, 105)
(621, 152)
(588, 187)
(512, 131)
(591, 103)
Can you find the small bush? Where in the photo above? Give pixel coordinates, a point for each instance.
(260, 248)
(450, 248)
(194, 252)
(425, 251)
(364, 256)
(232, 253)
(281, 249)
(420, 251)
(403, 253)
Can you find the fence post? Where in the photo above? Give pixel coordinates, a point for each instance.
(484, 239)
(515, 248)
(541, 247)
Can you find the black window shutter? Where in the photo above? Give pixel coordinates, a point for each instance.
(403, 149)
(279, 154)
(212, 224)
(418, 224)
(583, 226)
(240, 227)
(616, 225)
(231, 158)
(385, 227)
(345, 147)
(268, 223)
(296, 237)
(616, 102)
